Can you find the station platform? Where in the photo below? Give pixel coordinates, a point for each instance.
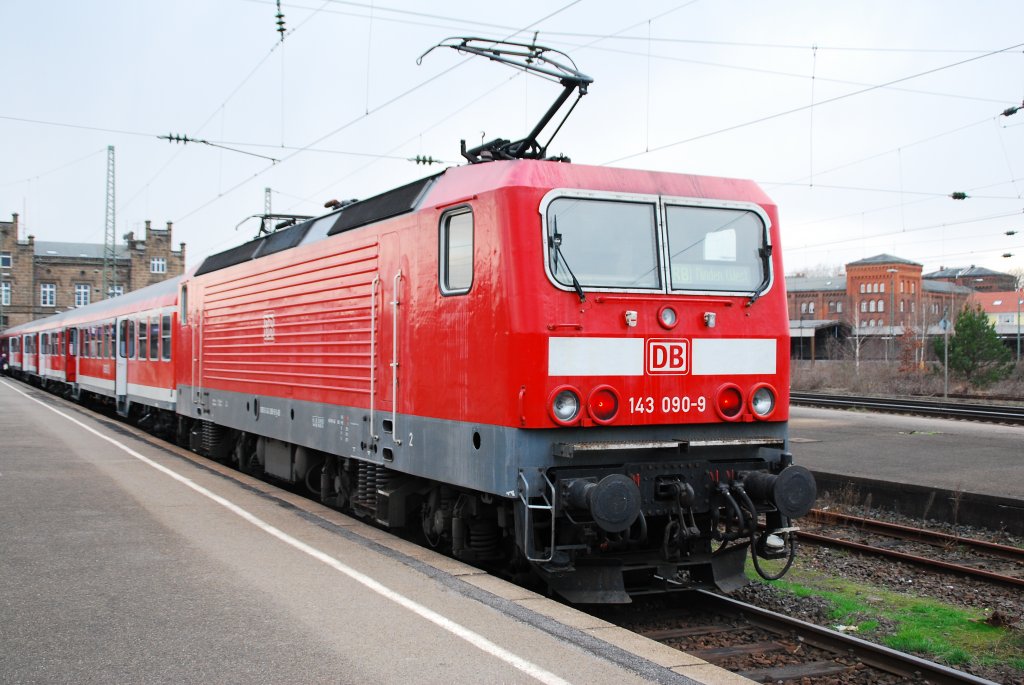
(929, 468)
(125, 559)
(962, 456)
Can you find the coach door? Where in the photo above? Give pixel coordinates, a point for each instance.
(121, 365)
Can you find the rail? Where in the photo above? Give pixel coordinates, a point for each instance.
(914, 668)
(986, 557)
(989, 413)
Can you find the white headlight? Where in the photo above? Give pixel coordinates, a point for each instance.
(668, 317)
(763, 401)
(565, 406)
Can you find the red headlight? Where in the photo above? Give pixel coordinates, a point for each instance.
(603, 404)
(729, 402)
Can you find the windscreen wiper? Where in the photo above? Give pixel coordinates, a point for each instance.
(556, 244)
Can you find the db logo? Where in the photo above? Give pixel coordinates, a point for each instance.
(668, 356)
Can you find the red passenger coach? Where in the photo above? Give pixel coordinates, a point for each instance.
(92, 350)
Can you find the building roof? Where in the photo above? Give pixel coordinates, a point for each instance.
(947, 287)
(796, 284)
(963, 272)
(1005, 302)
(882, 259)
(46, 248)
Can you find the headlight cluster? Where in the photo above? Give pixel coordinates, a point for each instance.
(565, 405)
(761, 401)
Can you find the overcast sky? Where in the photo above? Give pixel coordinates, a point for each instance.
(859, 119)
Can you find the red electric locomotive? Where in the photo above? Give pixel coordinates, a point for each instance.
(580, 371)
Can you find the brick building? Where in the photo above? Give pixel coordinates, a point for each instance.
(877, 300)
(39, 278)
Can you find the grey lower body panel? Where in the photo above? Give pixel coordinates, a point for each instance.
(483, 457)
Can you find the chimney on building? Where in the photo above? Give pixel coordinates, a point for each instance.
(169, 225)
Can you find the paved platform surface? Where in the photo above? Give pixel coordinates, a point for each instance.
(127, 561)
(961, 456)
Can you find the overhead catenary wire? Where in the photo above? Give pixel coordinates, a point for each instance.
(827, 101)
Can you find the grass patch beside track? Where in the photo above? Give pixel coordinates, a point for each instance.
(927, 627)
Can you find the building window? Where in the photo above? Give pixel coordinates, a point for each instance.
(47, 295)
(803, 307)
(871, 306)
(881, 287)
(911, 306)
(861, 288)
(5, 260)
(5, 294)
(839, 307)
(901, 306)
(116, 290)
(913, 288)
(158, 265)
(831, 306)
(81, 294)
(881, 306)
(810, 307)
(864, 306)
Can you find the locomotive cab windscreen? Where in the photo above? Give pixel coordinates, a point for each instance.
(657, 245)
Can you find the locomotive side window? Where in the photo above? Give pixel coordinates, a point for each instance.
(456, 252)
(603, 243)
(716, 249)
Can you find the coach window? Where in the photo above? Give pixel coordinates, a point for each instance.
(602, 244)
(717, 249)
(456, 252)
(165, 337)
(131, 338)
(154, 338)
(44, 348)
(143, 326)
(183, 302)
(122, 338)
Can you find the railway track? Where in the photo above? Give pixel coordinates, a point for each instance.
(990, 413)
(950, 553)
(772, 648)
